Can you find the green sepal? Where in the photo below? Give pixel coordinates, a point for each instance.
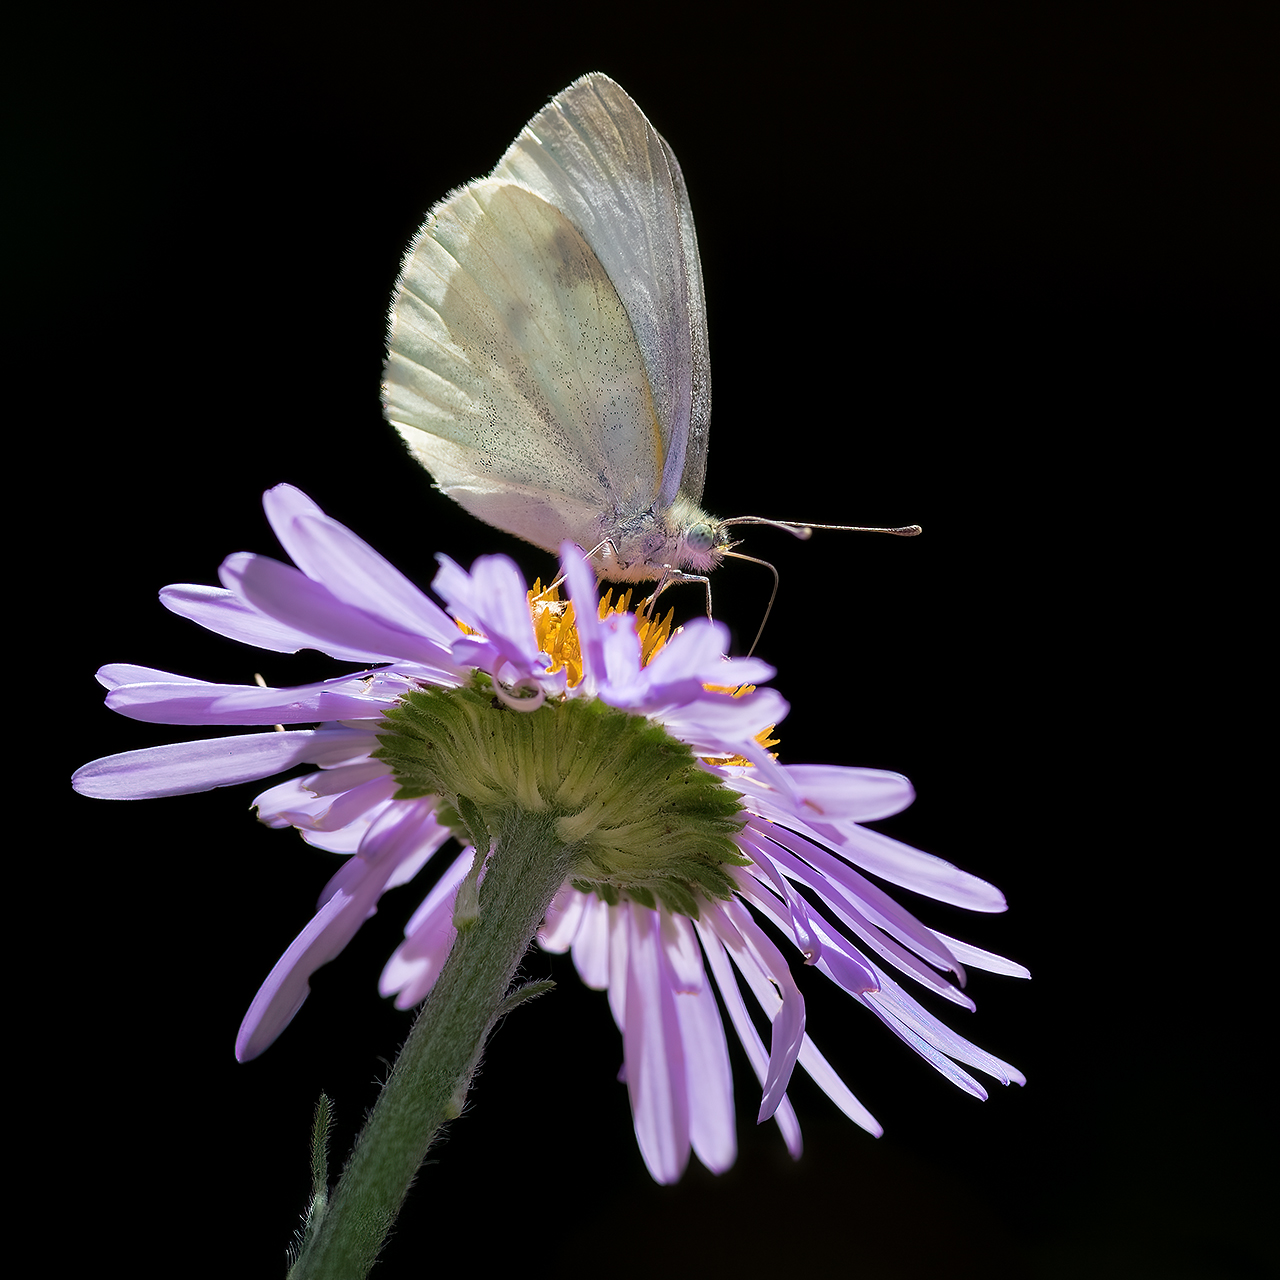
(529, 991)
(321, 1127)
(643, 818)
(477, 831)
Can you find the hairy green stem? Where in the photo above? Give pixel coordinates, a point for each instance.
(429, 1081)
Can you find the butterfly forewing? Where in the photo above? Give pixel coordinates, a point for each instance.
(694, 471)
(592, 153)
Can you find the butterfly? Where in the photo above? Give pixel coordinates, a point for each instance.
(547, 346)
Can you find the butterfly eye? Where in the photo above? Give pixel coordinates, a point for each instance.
(701, 536)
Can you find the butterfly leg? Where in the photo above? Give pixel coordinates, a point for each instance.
(669, 578)
(591, 555)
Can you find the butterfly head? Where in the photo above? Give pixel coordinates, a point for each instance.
(703, 544)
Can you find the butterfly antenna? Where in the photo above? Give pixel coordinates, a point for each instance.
(773, 595)
(803, 529)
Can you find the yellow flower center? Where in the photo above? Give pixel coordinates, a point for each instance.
(553, 624)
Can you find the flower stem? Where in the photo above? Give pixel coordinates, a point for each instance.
(429, 1081)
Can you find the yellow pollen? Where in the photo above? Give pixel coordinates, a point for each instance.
(553, 625)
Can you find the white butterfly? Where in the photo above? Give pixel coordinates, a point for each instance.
(548, 344)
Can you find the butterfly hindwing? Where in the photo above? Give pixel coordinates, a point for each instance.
(514, 374)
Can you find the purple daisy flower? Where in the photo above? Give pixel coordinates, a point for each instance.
(797, 858)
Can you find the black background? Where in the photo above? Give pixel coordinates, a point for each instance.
(1002, 273)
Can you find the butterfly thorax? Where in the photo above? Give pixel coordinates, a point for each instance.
(645, 546)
